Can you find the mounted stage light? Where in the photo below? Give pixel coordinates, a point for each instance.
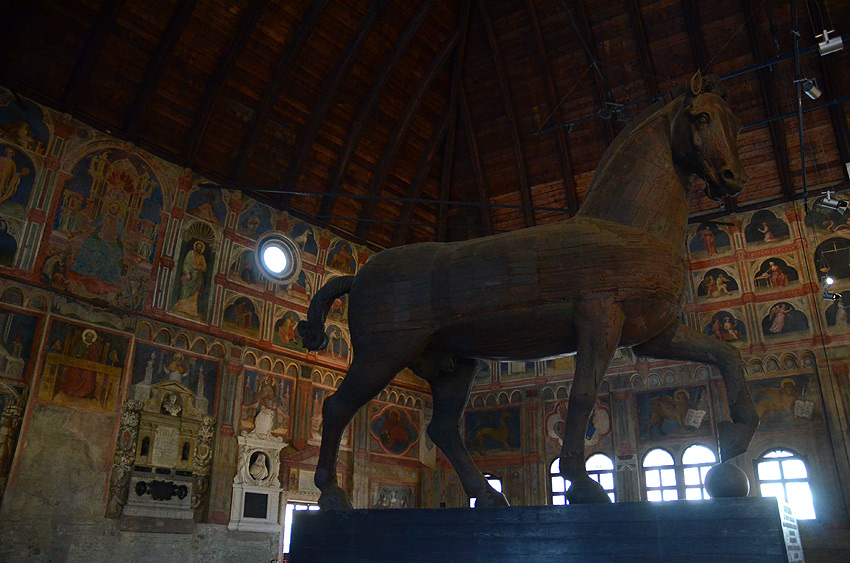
(833, 204)
(828, 295)
(828, 45)
(810, 87)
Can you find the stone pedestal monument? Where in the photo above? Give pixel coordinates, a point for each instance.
(256, 487)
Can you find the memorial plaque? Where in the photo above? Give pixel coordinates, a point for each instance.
(166, 447)
(256, 505)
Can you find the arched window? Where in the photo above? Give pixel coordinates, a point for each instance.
(494, 481)
(599, 467)
(696, 461)
(659, 473)
(783, 474)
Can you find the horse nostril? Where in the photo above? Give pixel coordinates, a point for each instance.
(728, 175)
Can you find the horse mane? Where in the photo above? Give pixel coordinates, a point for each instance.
(711, 84)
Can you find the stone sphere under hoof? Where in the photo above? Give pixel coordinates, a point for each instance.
(727, 481)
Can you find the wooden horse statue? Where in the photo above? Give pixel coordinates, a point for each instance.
(613, 275)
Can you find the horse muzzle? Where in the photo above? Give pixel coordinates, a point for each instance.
(729, 183)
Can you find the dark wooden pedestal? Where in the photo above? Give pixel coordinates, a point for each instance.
(712, 531)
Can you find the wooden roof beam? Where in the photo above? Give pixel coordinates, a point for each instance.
(476, 161)
(570, 193)
(88, 56)
(504, 90)
(383, 168)
(647, 65)
(837, 115)
(275, 87)
(421, 174)
(601, 94)
(451, 138)
(330, 89)
(768, 86)
(216, 82)
(156, 66)
(355, 131)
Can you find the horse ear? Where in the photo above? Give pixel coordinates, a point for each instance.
(695, 86)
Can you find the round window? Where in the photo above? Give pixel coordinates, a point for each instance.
(278, 257)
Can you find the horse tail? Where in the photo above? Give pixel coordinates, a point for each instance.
(312, 331)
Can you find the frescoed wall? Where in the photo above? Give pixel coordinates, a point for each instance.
(120, 276)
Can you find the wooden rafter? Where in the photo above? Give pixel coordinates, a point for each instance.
(304, 145)
(446, 174)
(476, 160)
(384, 166)
(89, 55)
(275, 87)
(837, 115)
(214, 84)
(355, 131)
(768, 85)
(647, 65)
(451, 137)
(156, 66)
(570, 192)
(504, 90)
(418, 180)
(600, 89)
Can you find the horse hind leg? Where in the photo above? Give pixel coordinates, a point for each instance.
(367, 376)
(599, 323)
(682, 343)
(450, 390)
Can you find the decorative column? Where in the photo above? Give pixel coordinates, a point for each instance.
(201, 467)
(125, 456)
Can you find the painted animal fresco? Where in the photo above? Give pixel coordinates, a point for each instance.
(674, 413)
(613, 275)
(786, 403)
(493, 431)
(22, 124)
(341, 258)
(825, 220)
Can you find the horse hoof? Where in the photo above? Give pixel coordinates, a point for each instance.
(587, 491)
(334, 498)
(734, 438)
(491, 500)
(727, 481)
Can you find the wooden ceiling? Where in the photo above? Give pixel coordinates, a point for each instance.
(399, 121)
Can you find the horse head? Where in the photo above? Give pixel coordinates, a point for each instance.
(704, 138)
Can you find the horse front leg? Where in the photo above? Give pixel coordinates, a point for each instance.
(598, 323)
(682, 343)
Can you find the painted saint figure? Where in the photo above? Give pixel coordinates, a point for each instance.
(778, 314)
(767, 232)
(708, 240)
(192, 281)
(101, 255)
(79, 381)
(10, 178)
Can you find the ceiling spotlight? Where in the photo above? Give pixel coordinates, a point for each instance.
(833, 204)
(828, 45)
(810, 87)
(828, 281)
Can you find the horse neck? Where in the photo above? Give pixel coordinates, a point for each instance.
(639, 185)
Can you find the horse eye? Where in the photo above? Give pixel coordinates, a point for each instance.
(703, 118)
